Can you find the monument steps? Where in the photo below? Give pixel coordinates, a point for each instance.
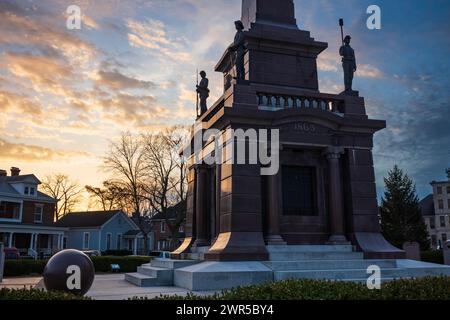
(325, 262)
(309, 248)
(339, 274)
(171, 263)
(328, 264)
(302, 255)
(142, 280)
(159, 272)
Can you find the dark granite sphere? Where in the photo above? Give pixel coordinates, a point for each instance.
(69, 271)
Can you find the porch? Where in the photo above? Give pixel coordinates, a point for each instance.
(35, 243)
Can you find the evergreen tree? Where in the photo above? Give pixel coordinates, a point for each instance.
(401, 216)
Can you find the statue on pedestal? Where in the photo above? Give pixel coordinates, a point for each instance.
(238, 46)
(203, 92)
(348, 63)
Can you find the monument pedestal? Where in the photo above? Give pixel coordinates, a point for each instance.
(324, 191)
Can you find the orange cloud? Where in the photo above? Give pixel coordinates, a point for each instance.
(27, 152)
(117, 81)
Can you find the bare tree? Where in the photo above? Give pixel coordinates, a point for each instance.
(66, 193)
(110, 197)
(166, 174)
(125, 163)
(147, 176)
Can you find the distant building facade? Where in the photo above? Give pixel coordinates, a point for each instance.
(103, 231)
(26, 216)
(436, 212)
(165, 240)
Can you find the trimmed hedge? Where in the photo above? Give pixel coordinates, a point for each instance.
(35, 294)
(430, 288)
(127, 264)
(433, 256)
(119, 253)
(15, 268)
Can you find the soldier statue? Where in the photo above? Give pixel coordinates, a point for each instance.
(238, 46)
(348, 63)
(203, 92)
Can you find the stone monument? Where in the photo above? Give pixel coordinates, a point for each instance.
(315, 215)
(203, 92)
(348, 63)
(412, 250)
(324, 192)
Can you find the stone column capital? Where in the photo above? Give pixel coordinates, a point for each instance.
(333, 152)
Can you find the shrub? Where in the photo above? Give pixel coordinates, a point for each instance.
(14, 268)
(430, 288)
(433, 256)
(127, 264)
(36, 294)
(119, 253)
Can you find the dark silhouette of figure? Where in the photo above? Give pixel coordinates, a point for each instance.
(238, 46)
(348, 63)
(203, 92)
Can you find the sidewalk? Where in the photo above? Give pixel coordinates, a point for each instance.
(106, 287)
(19, 282)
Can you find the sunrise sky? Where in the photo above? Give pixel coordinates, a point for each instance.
(65, 93)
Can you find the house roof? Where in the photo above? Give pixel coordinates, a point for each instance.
(30, 178)
(172, 212)
(93, 219)
(8, 190)
(440, 182)
(427, 206)
(132, 233)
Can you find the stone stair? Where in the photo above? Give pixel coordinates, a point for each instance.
(331, 262)
(159, 272)
(197, 253)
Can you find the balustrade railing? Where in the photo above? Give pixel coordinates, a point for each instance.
(274, 102)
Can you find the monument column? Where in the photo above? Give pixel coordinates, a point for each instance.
(274, 210)
(201, 203)
(333, 155)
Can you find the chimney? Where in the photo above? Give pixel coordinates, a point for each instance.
(3, 173)
(15, 171)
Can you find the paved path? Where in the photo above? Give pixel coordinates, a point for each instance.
(106, 287)
(20, 282)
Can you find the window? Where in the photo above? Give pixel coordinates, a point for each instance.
(442, 220)
(448, 203)
(163, 227)
(25, 190)
(432, 225)
(448, 189)
(86, 238)
(108, 241)
(299, 194)
(439, 190)
(119, 242)
(38, 210)
(441, 204)
(32, 191)
(444, 237)
(181, 229)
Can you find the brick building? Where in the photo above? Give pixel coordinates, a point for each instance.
(26, 216)
(436, 212)
(164, 240)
